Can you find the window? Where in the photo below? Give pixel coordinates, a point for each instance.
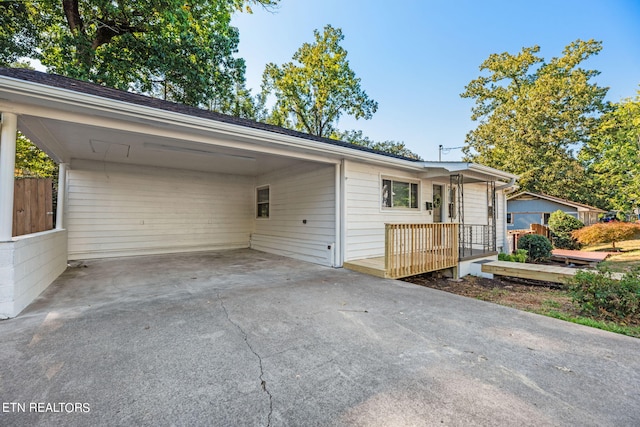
(399, 194)
(509, 218)
(545, 218)
(262, 202)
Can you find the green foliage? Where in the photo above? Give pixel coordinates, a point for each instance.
(357, 138)
(531, 113)
(612, 156)
(166, 48)
(313, 92)
(239, 103)
(519, 256)
(18, 32)
(31, 161)
(562, 225)
(599, 295)
(538, 247)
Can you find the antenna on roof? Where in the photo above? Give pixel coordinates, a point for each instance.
(442, 148)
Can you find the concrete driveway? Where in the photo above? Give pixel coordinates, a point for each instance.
(246, 338)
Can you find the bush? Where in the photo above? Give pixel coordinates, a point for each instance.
(607, 232)
(538, 247)
(597, 294)
(519, 256)
(562, 225)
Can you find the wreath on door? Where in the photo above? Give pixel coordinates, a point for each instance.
(437, 201)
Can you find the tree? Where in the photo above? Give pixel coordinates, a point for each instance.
(393, 147)
(312, 94)
(562, 225)
(607, 232)
(612, 156)
(31, 161)
(240, 103)
(532, 113)
(168, 48)
(18, 32)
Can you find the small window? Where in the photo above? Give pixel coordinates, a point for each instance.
(545, 218)
(262, 202)
(399, 194)
(509, 218)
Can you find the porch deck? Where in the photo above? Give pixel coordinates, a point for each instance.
(412, 249)
(375, 266)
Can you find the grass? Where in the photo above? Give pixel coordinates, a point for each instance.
(628, 255)
(632, 331)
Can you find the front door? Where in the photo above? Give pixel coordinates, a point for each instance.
(437, 203)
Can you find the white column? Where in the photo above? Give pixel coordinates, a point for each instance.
(337, 249)
(62, 194)
(7, 172)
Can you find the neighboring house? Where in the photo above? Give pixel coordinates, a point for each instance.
(525, 208)
(142, 176)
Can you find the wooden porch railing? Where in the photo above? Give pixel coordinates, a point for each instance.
(419, 248)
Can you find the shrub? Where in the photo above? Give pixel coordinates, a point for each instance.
(597, 294)
(519, 256)
(607, 232)
(538, 247)
(562, 225)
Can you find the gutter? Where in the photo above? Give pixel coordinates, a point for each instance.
(35, 93)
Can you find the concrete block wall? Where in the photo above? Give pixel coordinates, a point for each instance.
(28, 265)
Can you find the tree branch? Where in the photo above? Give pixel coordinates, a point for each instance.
(72, 13)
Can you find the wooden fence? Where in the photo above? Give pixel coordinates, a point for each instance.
(419, 248)
(514, 235)
(32, 205)
(542, 230)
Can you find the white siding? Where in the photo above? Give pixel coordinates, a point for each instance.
(28, 265)
(365, 217)
(304, 192)
(475, 204)
(119, 210)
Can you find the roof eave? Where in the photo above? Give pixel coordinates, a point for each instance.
(36, 92)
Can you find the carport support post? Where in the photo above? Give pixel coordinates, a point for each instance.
(62, 191)
(9, 129)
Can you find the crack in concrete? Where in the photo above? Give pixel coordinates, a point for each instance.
(263, 383)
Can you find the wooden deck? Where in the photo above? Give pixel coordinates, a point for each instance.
(547, 273)
(370, 266)
(376, 267)
(578, 257)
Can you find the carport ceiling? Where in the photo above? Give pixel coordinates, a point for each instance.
(65, 140)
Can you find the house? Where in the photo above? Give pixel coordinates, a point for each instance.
(525, 208)
(142, 176)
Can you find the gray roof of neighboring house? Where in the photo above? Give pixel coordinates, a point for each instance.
(95, 89)
(555, 199)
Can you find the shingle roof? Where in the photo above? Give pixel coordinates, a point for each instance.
(556, 199)
(57, 81)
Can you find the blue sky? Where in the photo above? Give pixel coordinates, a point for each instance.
(415, 57)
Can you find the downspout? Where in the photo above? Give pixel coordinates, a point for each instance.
(511, 183)
(505, 237)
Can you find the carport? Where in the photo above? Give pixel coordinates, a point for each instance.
(142, 176)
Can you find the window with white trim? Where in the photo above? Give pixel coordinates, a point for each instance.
(262, 202)
(399, 194)
(509, 218)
